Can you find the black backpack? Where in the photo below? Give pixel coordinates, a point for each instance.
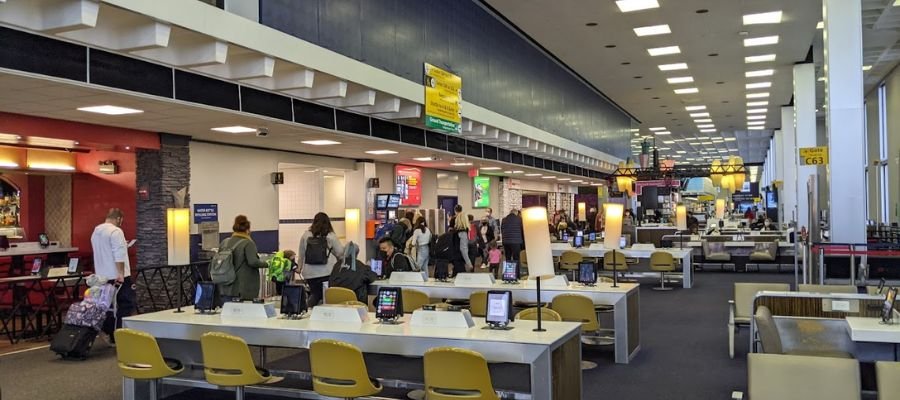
(446, 247)
(317, 250)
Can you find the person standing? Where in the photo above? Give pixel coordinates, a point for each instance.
(493, 257)
(316, 247)
(245, 259)
(494, 223)
(421, 238)
(111, 263)
(485, 237)
(513, 237)
(457, 210)
(462, 262)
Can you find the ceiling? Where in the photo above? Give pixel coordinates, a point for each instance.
(711, 43)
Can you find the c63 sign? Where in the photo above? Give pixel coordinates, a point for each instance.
(814, 155)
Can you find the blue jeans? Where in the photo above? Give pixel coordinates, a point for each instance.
(422, 259)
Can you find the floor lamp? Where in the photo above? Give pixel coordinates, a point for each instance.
(178, 230)
(537, 249)
(613, 224)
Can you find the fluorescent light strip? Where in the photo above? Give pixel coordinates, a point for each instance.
(703, 121)
(761, 41)
(662, 133)
(705, 126)
(753, 117)
(757, 95)
(700, 114)
(673, 67)
(757, 103)
(110, 110)
(695, 108)
(760, 58)
(773, 17)
(662, 51)
(686, 91)
(680, 79)
(758, 85)
(866, 67)
(652, 30)
(708, 130)
(381, 152)
(321, 142)
(234, 129)
(658, 128)
(490, 168)
(759, 73)
(757, 111)
(636, 5)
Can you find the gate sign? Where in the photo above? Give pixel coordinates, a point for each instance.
(443, 94)
(206, 213)
(814, 155)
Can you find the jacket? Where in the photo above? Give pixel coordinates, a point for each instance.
(512, 230)
(352, 274)
(310, 271)
(246, 268)
(398, 262)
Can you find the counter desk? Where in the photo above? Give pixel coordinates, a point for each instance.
(597, 250)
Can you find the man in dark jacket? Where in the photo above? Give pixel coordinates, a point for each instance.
(393, 259)
(513, 238)
(352, 274)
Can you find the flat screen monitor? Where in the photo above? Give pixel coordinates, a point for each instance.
(510, 272)
(578, 241)
(622, 242)
(73, 266)
(43, 240)
(204, 296)
(592, 236)
(377, 267)
(887, 312)
(393, 201)
(701, 218)
(381, 201)
(499, 308)
(579, 233)
(881, 286)
(293, 300)
(565, 236)
(587, 273)
(390, 304)
(36, 265)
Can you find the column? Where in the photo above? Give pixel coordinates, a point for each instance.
(777, 172)
(805, 131)
(788, 154)
(358, 195)
(845, 119)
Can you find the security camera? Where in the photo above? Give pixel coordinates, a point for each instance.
(262, 132)
(434, 157)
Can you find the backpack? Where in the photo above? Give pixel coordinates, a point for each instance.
(412, 265)
(222, 268)
(279, 267)
(446, 247)
(317, 250)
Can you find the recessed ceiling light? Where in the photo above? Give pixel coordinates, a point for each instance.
(686, 90)
(234, 129)
(323, 143)
(461, 164)
(424, 159)
(658, 128)
(532, 174)
(708, 130)
(673, 67)
(757, 111)
(821, 24)
(760, 58)
(758, 85)
(706, 143)
(518, 172)
(680, 151)
(381, 152)
(700, 114)
(821, 79)
(662, 133)
(662, 51)
(703, 121)
(548, 177)
(706, 126)
(867, 67)
(694, 108)
(565, 179)
(490, 168)
(668, 142)
(761, 41)
(773, 17)
(757, 103)
(110, 110)
(652, 30)
(757, 95)
(636, 5)
(753, 117)
(758, 73)
(730, 139)
(680, 79)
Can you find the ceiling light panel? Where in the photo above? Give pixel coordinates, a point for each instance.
(757, 103)
(658, 128)
(706, 126)
(662, 133)
(759, 58)
(686, 91)
(636, 5)
(673, 67)
(761, 41)
(662, 51)
(234, 129)
(757, 111)
(680, 79)
(703, 121)
(755, 117)
(759, 73)
(322, 143)
(773, 17)
(759, 85)
(760, 95)
(652, 30)
(110, 110)
(695, 108)
(381, 152)
(699, 115)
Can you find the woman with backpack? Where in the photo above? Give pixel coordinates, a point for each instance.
(316, 247)
(419, 244)
(242, 252)
(462, 262)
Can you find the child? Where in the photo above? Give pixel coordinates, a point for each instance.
(494, 258)
(281, 269)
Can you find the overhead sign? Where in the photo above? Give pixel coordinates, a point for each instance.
(206, 213)
(443, 95)
(814, 155)
(409, 185)
(482, 191)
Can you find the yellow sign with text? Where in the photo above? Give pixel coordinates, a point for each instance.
(443, 95)
(814, 155)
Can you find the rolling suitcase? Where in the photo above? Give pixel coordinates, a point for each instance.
(73, 342)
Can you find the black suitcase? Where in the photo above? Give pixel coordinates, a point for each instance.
(73, 342)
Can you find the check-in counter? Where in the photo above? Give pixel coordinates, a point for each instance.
(653, 234)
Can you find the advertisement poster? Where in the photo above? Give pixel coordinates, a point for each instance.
(482, 191)
(443, 94)
(408, 185)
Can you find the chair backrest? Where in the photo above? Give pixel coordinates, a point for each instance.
(339, 295)
(827, 288)
(614, 257)
(227, 360)
(355, 303)
(478, 304)
(745, 292)
(453, 373)
(414, 299)
(139, 356)
(886, 373)
(787, 377)
(523, 258)
(338, 370)
(768, 331)
(662, 259)
(576, 308)
(569, 259)
(530, 314)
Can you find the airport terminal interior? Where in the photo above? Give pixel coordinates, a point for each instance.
(448, 200)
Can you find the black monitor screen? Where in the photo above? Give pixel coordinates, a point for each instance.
(587, 273)
(592, 237)
(292, 301)
(36, 265)
(499, 306)
(376, 266)
(887, 313)
(393, 201)
(381, 201)
(510, 271)
(578, 241)
(73, 265)
(881, 286)
(390, 303)
(204, 296)
(565, 236)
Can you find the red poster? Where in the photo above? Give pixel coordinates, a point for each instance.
(408, 183)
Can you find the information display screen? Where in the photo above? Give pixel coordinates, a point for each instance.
(510, 272)
(390, 303)
(499, 305)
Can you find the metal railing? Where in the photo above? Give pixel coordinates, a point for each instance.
(158, 288)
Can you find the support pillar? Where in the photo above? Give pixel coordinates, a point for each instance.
(805, 130)
(776, 172)
(788, 153)
(358, 195)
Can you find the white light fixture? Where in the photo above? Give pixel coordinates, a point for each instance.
(178, 236)
(867, 67)
(322, 143)
(759, 85)
(755, 117)
(706, 126)
(548, 177)
(760, 58)
(821, 24)
(695, 108)
(757, 111)
(700, 114)
(680, 151)
(668, 142)
(773, 17)
(662, 51)
(424, 159)
(708, 130)
(381, 152)
(490, 168)
(461, 164)
(565, 179)
(757, 95)
(730, 139)
(234, 129)
(680, 79)
(532, 175)
(686, 90)
(662, 133)
(110, 110)
(758, 73)
(652, 30)
(761, 41)
(636, 5)
(518, 172)
(673, 67)
(657, 128)
(757, 103)
(703, 121)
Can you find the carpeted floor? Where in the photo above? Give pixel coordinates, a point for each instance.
(683, 337)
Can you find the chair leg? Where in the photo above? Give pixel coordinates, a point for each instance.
(239, 393)
(731, 341)
(662, 282)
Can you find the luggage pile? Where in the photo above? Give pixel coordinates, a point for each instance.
(83, 321)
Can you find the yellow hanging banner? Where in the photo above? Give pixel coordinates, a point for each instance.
(443, 95)
(814, 155)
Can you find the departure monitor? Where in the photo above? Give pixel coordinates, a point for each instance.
(499, 308)
(389, 305)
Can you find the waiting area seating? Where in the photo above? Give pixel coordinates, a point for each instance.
(227, 363)
(139, 358)
(470, 378)
(338, 370)
(793, 377)
(770, 338)
(741, 307)
(662, 262)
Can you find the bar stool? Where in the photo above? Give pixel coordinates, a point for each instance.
(338, 370)
(414, 300)
(470, 378)
(662, 262)
(568, 262)
(478, 304)
(530, 314)
(339, 295)
(139, 358)
(578, 308)
(227, 363)
(617, 260)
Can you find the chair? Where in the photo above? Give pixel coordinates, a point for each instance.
(530, 314)
(578, 308)
(886, 374)
(764, 252)
(478, 304)
(788, 377)
(662, 262)
(414, 300)
(715, 251)
(470, 377)
(338, 370)
(568, 262)
(827, 289)
(741, 307)
(139, 358)
(355, 303)
(770, 338)
(616, 259)
(227, 362)
(339, 295)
